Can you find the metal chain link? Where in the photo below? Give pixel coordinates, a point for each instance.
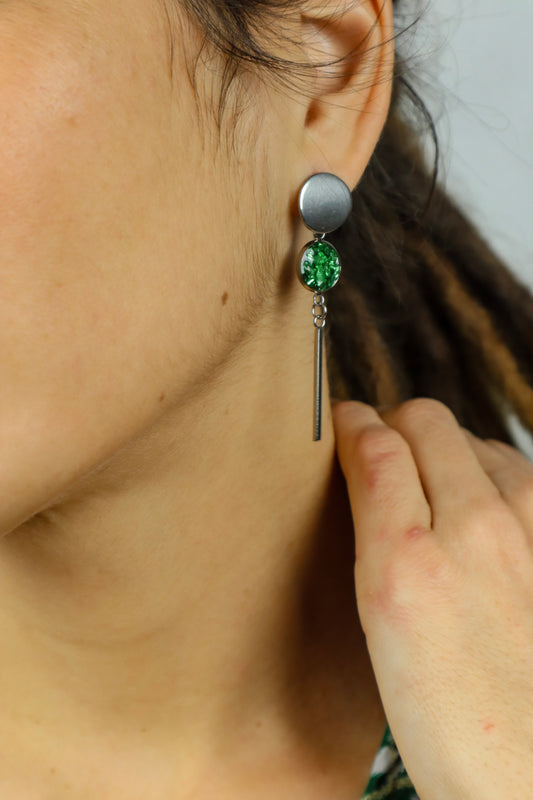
(319, 310)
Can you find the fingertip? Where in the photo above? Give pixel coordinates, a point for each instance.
(342, 409)
(342, 413)
(349, 416)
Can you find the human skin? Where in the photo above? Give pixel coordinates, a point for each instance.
(176, 584)
(444, 582)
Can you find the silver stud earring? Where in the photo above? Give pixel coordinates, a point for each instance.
(325, 204)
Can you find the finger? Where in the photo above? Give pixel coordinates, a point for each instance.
(453, 480)
(510, 472)
(511, 451)
(503, 448)
(386, 495)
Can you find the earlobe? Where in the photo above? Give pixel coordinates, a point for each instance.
(348, 100)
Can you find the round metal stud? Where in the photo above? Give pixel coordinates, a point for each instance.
(325, 202)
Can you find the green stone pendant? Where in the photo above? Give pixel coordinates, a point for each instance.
(320, 266)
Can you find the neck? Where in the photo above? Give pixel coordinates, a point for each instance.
(198, 587)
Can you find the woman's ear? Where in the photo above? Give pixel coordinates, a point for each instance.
(347, 104)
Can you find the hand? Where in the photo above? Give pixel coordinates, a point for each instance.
(444, 584)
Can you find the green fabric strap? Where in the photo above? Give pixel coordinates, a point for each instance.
(388, 777)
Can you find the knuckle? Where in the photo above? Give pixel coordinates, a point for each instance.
(423, 410)
(487, 526)
(377, 443)
(515, 486)
(384, 598)
(407, 588)
(482, 515)
(495, 540)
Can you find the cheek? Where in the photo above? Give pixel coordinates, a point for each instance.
(103, 297)
(70, 177)
(63, 233)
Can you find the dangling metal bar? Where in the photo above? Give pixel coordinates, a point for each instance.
(318, 385)
(319, 320)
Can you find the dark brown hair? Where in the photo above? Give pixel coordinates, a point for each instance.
(424, 307)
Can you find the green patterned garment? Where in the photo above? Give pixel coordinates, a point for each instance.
(388, 778)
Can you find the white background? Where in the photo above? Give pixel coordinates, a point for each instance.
(475, 61)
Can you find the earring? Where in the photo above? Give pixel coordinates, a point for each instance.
(325, 204)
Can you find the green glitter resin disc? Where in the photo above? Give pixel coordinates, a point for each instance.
(320, 267)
